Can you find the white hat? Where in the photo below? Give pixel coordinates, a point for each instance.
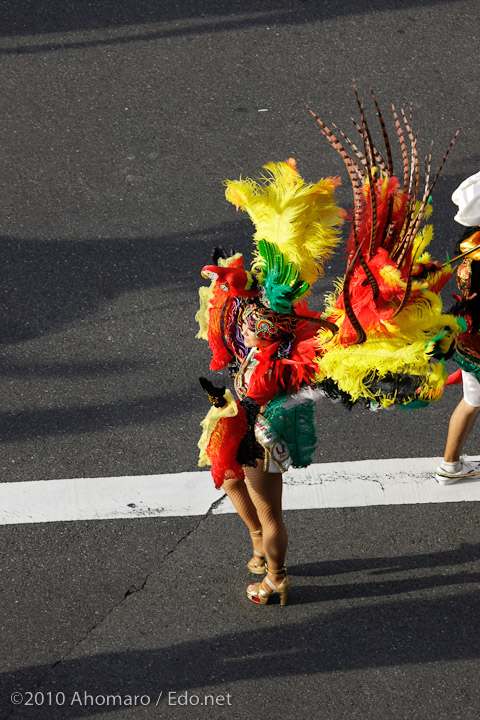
(467, 197)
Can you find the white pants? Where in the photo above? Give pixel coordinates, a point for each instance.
(471, 389)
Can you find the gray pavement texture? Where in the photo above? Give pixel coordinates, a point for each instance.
(382, 621)
(118, 123)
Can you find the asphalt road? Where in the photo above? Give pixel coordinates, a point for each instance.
(116, 135)
(119, 123)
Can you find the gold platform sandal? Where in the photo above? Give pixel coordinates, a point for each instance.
(257, 564)
(257, 593)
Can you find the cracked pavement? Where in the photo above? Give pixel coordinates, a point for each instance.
(116, 568)
(159, 605)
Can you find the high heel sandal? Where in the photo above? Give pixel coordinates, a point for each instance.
(257, 564)
(257, 593)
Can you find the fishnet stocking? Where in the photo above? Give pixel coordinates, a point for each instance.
(242, 502)
(265, 491)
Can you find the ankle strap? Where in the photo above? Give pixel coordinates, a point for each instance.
(281, 572)
(257, 533)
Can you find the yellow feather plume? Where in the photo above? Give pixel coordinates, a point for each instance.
(301, 219)
(421, 240)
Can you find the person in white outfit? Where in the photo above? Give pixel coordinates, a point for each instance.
(454, 467)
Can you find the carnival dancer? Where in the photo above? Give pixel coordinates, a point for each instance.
(393, 336)
(454, 467)
(258, 324)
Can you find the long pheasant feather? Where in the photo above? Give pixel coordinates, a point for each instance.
(357, 152)
(366, 267)
(376, 153)
(452, 142)
(354, 172)
(388, 148)
(360, 332)
(403, 146)
(406, 296)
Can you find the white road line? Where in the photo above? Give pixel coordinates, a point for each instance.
(327, 485)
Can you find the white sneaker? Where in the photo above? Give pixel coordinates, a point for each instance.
(443, 477)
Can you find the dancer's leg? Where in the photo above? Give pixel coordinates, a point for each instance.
(461, 423)
(265, 490)
(242, 502)
(463, 418)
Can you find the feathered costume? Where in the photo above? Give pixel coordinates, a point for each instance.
(297, 226)
(467, 351)
(467, 198)
(387, 306)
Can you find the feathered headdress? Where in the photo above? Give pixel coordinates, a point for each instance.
(297, 225)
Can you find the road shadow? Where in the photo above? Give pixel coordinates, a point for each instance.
(48, 284)
(21, 425)
(381, 565)
(390, 633)
(42, 17)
